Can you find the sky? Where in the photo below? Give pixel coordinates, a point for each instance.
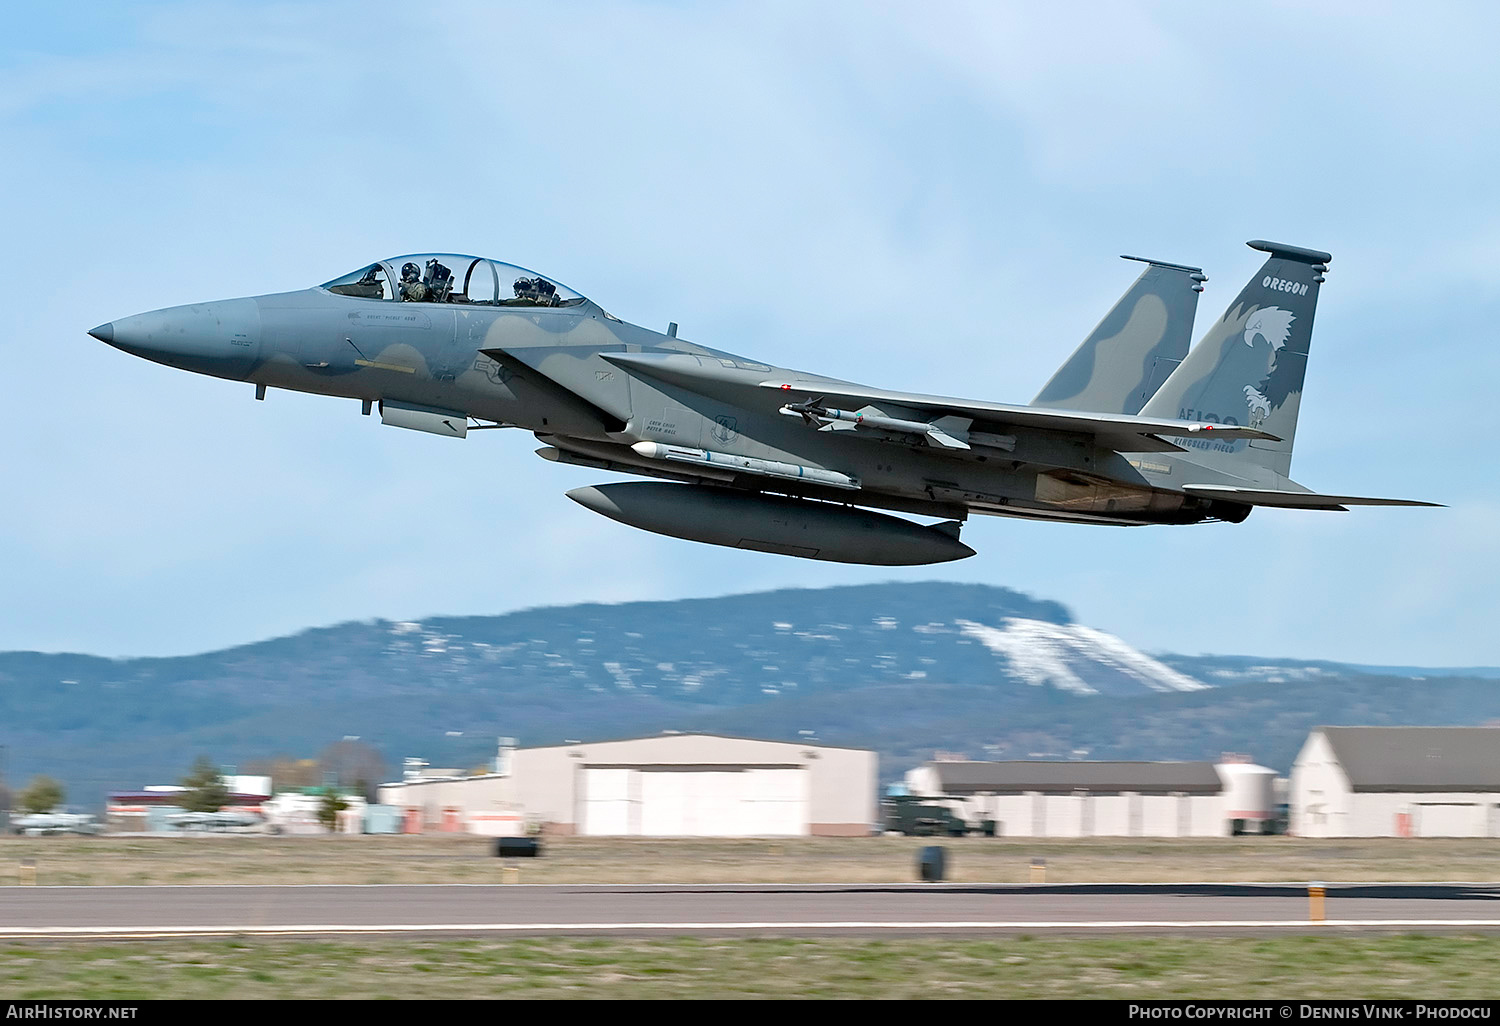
(929, 197)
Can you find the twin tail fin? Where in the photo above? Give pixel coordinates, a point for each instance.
(1249, 367)
(1134, 349)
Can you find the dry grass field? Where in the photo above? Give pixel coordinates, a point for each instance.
(450, 858)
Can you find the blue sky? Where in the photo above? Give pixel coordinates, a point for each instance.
(924, 196)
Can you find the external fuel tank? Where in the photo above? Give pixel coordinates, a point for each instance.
(768, 523)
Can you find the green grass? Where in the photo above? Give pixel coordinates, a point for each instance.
(1283, 968)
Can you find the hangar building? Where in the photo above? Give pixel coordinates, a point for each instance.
(674, 785)
(1088, 799)
(1397, 782)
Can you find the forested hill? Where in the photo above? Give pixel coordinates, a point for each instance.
(903, 668)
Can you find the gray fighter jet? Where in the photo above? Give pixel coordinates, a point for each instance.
(41, 824)
(225, 820)
(1133, 429)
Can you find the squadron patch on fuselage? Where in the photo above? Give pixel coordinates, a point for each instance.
(726, 429)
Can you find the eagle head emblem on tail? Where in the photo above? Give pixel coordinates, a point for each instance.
(1271, 323)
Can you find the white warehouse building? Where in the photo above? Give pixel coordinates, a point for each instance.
(1397, 782)
(673, 785)
(1091, 799)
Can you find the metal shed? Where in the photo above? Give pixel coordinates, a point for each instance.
(671, 785)
(1397, 782)
(1079, 799)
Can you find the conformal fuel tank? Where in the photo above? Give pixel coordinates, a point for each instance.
(766, 523)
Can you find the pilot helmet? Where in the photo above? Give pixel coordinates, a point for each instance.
(410, 271)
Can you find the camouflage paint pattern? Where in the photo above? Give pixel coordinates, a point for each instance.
(1133, 350)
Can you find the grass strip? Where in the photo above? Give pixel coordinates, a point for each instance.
(1403, 966)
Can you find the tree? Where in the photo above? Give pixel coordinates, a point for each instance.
(354, 764)
(206, 790)
(42, 795)
(328, 810)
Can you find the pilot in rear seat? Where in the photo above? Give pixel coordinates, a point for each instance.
(439, 281)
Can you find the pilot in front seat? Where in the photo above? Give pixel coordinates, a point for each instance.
(411, 289)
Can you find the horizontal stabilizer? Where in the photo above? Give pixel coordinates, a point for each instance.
(1293, 500)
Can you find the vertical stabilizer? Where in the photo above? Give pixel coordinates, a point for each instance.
(1135, 348)
(1249, 367)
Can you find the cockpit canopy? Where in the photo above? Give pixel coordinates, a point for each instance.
(451, 278)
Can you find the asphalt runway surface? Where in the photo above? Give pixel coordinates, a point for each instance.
(737, 910)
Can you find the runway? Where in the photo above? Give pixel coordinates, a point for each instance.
(743, 909)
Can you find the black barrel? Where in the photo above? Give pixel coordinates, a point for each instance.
(930, 864)
(517, 847)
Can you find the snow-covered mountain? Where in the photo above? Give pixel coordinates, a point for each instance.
(1075, 658)
(751, 648)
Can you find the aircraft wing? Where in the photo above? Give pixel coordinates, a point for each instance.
(1294, 500)
(754, 386)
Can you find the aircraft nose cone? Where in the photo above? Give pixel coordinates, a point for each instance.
(222, 339)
